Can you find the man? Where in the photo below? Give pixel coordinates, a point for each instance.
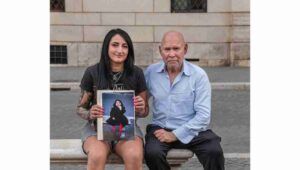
(181, 107)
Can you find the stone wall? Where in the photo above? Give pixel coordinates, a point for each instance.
(220, 37)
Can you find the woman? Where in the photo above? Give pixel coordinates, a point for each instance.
(115, 70)
(117, 116)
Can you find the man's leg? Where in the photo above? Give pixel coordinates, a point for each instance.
(155, 151)
(208, 150)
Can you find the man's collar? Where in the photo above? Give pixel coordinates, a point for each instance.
(186, 68)
(162, 68)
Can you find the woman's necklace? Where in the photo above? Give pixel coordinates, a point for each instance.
(116, 77)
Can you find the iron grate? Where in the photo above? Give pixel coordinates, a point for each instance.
(188, 6)
(58, 54)
(57, 5)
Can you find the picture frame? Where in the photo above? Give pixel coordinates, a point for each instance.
(118, 121)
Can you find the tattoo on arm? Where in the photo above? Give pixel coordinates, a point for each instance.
(84, 104)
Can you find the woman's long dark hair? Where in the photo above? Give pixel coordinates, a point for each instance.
(122, 105)
(105, 67)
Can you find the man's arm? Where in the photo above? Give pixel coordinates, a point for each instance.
(83, 106)
(202, 107)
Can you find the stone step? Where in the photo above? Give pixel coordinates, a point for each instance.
(215, 85)
(215, 74)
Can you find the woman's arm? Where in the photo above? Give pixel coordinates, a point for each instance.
(86, 110)
(84, 104)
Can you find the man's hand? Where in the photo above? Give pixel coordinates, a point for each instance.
(164, 136)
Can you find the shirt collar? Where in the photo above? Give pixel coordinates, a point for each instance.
(186, 69)
(161, 67)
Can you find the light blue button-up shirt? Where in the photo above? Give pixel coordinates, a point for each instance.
(183, 106)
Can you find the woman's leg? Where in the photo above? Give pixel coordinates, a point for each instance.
(97, 152)
(132, 153)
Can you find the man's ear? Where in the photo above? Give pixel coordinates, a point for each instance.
(159, 47)
(185, 48)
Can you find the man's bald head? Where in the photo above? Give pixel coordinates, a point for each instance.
(171, 35)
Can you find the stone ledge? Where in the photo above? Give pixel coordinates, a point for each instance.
(231, 86)
(215, 85)
(70, 151)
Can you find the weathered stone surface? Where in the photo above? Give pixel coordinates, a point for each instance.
(240, 18)
(241, 63)
(213, 63)
(228, 6)
(88, 53)
(118, 18)
(162, 5)
(118, 6)
(60, 18)
(240, 51)
(210, 35)
(156, 54)
(143, 53)
(208, 50)
(241, 34)
(219, 6)
(202, 51)
(137, 33)
(66, 33)
(175, 19)
(240, 5)
(72, 54)
(196, 34)
(73, 5)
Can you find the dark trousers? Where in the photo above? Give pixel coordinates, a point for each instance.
(206, 146)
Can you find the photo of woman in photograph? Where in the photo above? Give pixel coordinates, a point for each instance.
(117, 116)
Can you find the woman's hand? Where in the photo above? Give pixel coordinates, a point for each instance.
(139, 105)
(96, 112)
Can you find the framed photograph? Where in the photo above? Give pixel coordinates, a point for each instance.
(118, 120)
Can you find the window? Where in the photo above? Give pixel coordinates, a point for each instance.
(57, 5)
(188, 6)
(58, 54)
(193, 60)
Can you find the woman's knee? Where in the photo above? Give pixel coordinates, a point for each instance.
(133, 156)
(97, 156)
(134, 153)
(97, 151)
